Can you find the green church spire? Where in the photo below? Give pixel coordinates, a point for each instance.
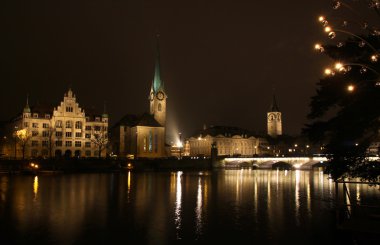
(157, 84)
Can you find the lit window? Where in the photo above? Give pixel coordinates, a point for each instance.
(68, 143)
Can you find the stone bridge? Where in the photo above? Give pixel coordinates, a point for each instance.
(267, 162)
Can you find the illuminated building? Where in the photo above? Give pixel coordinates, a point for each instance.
(274, 122)
(65, 130)
(229, 141)
(144, 136)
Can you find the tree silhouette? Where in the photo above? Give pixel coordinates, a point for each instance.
(345, 111)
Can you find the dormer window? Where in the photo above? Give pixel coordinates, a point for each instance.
(87, 119)
(35, 115)
(97, 119)
(47, 116)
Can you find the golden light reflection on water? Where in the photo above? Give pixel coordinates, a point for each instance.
(198, 209)
(178, 203)
(297, 196)
(35, 187)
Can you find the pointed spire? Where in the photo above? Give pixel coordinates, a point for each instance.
(274, 107)
(157, 84)
(105, 114)
(27, 108)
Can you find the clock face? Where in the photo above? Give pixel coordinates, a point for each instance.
(160, 95)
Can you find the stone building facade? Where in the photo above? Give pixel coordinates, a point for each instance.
(229, 141)
(65, 130)
(274, 120)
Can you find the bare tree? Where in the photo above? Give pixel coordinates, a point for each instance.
(100, 139)
(22, 136)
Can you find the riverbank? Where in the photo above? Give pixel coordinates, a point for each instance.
(55, 166)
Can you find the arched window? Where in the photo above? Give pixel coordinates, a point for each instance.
(68, 124)
(78, 125)
(159, 107)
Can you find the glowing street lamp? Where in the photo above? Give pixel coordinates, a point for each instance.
(350, 88)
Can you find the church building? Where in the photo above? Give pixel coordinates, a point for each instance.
(143, 136)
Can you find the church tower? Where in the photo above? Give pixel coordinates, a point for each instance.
(274, 120)
(157, 96)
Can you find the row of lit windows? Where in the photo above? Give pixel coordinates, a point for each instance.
(68, 124)
(45, 143)
(35, 115)
(44, 152)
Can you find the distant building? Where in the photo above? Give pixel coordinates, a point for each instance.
(63, 130)
(274, 120)
(144, 136)
(229, 141)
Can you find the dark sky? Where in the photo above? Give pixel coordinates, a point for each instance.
(220, 58)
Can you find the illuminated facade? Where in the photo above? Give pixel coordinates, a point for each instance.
(230, 141)
(274, 120)
(144, 136)
(66, 130)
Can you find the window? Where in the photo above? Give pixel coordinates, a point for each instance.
(35, 125)
(44, 153)
(47, 116)
(35, 115)
(78, 135)
(144, 144)
(87, 153)
(88, 136)
(78, 125)
(97, 119)
(45, 133)
(87, 144)
(69, 109)
(68, 143)
(68, 134)
(45, 143)
(34, 153)
(34, 143)
(78, 144)
(26, 124)
(68, 124)
(97, 128)
(58, 134)
(34, 133)
(159, 107)
(88, 127)
(45, 125)
(58, 143)
(58, 124)
(87, 119)
(150, 141)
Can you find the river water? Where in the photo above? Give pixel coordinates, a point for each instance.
(222, 206)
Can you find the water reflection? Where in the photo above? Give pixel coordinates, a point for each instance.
(35, 187)
(164, 207)
(178, 203)
(198, 209)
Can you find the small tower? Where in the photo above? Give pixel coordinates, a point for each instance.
(157, 96)
(274, 120)
(26, 111)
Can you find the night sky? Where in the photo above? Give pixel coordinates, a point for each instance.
(220, 59)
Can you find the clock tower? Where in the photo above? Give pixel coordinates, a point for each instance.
(274, 120)
(157, 96)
